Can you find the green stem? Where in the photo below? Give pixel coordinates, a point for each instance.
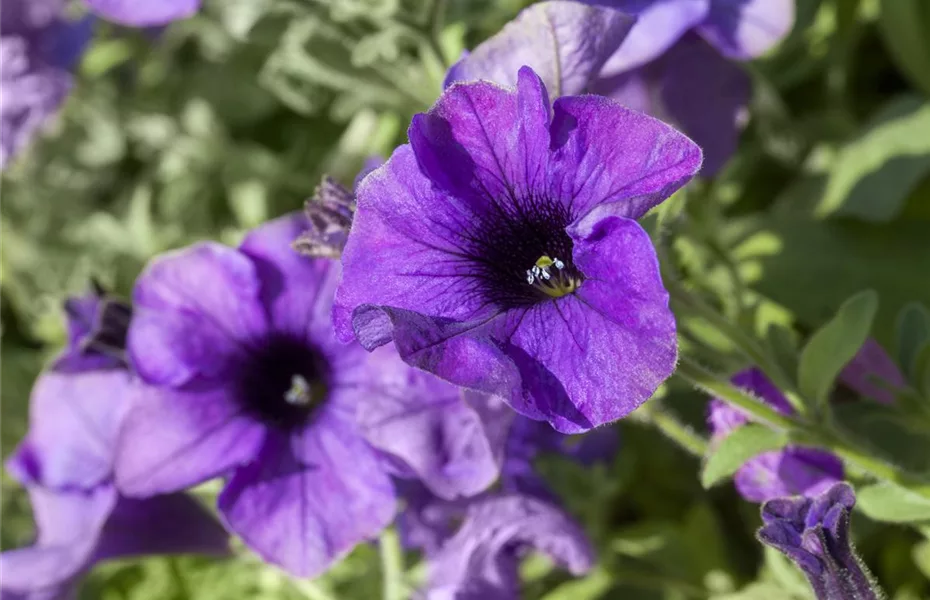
(715, 385)
(312, 590)
(392, 565)
(676, 431)
(812, 435)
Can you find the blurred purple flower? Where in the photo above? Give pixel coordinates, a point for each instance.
(428, 521)
(38, 49)
(500, 251)
(77, 410)
(873, 374)
(786, 472)
(481, 560)
(814, 533)
(671, 63)
(144, 13)
(249, 383)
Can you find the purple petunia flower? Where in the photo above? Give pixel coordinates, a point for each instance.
(428, 521)
(76, 411)
(38, 49)
(142, 13)
(481, 560)
(249, 384)
(873, 374)
(814, 533)
(500, 251)
(672, 63)
(786, 472)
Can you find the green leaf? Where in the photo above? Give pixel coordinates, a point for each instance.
(904, 25)
(874, 174)
(893, 504)
(834, 345)
(810, 268)
(921, 371)
(922, 557)
(738, 447)
(913, 331)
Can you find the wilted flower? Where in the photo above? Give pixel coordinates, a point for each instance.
(499, 250)
(481, 561)
(144, 14)
(672, 63)
(330, 212)
(76, 412)
(38, 49)
(250, 384)
(786, 472)
(814, 533)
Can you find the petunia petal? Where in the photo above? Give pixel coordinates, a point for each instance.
(659, 24)
(617, 334)
(402, 252)
(304, 510)
(74, 423)
(142, 13)
(480, 561)
(169, 524)
(744, 29)
(297, 291)
(873, 373)
(606, 154)
(485, 144)
(194, 308)
(566, 43)
(426, 423)
(176, 438)
(788, 472)
(706, 96)
(69, 525)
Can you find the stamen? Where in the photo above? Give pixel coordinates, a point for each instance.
(300, 393)
(555, 284)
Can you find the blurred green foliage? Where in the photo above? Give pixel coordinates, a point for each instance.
(217, 123)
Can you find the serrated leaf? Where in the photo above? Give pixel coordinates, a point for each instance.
(892, 504)
(737, 448)
(913, 331)
(874, 174)
(834, 345)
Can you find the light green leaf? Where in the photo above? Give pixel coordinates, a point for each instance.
(738, 447)
(834, 345)
(893, 504)
(874, 174)
(913, 332)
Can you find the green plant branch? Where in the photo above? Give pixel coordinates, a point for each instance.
(669, 425)
(392, 565)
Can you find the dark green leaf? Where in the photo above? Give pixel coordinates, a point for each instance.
(811, 268)
(913, 332)
(834, 345)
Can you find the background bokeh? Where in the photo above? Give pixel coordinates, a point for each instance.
(212, 125)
